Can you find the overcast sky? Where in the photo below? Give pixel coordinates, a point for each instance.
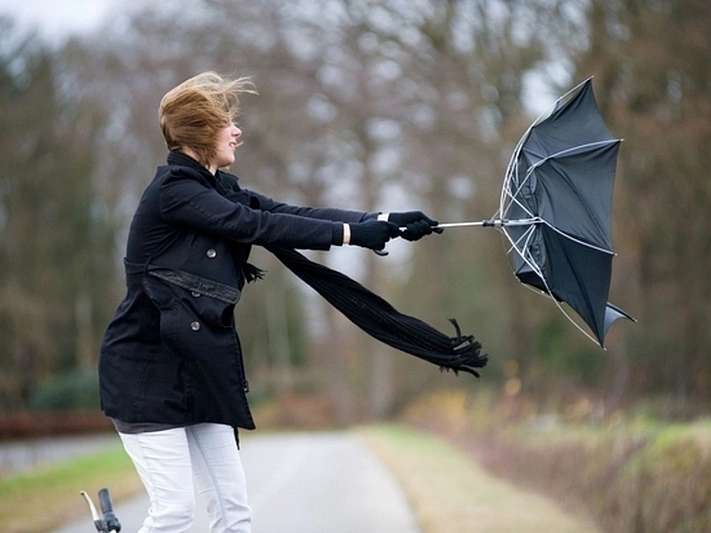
(58, 18)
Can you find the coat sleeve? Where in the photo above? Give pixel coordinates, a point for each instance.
(324, 213)
(264, 203)
(187, 200)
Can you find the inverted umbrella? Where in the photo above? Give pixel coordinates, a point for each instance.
(556, 208)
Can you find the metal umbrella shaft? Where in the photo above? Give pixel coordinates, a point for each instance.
(490, 223)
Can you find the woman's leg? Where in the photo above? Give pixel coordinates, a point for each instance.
(162, 459)
(219, 477)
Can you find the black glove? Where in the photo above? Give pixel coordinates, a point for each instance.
(416, 224)
(373, 234)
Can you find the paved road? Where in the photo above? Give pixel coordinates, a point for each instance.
(304, 483)
(22, 455)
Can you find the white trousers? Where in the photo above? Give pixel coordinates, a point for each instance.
(168, 461)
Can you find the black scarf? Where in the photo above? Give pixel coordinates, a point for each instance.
(382, 321)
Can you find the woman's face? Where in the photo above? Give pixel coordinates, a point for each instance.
(226, 143)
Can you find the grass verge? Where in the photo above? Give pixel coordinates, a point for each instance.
(41, 500)
(627, 472)
(451, 493)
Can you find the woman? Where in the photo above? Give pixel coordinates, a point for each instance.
(171, 370)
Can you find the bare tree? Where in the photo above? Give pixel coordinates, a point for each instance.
(654, 86)
(55, 242)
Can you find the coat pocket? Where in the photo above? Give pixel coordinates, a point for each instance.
(191, 306)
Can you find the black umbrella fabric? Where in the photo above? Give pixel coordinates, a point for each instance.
(560, 179)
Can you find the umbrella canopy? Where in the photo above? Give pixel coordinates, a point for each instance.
(556, 208)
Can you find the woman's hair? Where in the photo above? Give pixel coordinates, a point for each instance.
(192, 113)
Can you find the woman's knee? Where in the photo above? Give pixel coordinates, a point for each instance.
(173, 513)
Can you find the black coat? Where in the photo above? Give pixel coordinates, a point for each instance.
(171, 354)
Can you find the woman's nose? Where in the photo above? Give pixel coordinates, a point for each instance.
(236, 131)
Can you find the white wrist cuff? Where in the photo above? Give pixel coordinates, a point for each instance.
(346, 234)
(383, 217)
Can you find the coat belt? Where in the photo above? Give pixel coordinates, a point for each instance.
(187, 280)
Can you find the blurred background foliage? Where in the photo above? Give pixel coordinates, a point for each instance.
(380, 106)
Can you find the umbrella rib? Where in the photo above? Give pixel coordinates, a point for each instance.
(507, 192)
(547, 293)
(523, 207)
(526, 238)
(563, 153)
(511, 167)
(578, 241)
(529, 172)
(511, 170)
(571, 183)
(537, 270)
(554, 106)
(522, 251)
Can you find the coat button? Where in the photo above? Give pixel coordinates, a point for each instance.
(195, 294)
(211, 253)
(195, 326)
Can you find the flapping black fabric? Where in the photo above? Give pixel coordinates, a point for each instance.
(375, 316)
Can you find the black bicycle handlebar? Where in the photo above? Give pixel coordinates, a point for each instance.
(107, 522)
(107, 507)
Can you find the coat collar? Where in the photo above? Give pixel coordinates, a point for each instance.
(184, 160)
